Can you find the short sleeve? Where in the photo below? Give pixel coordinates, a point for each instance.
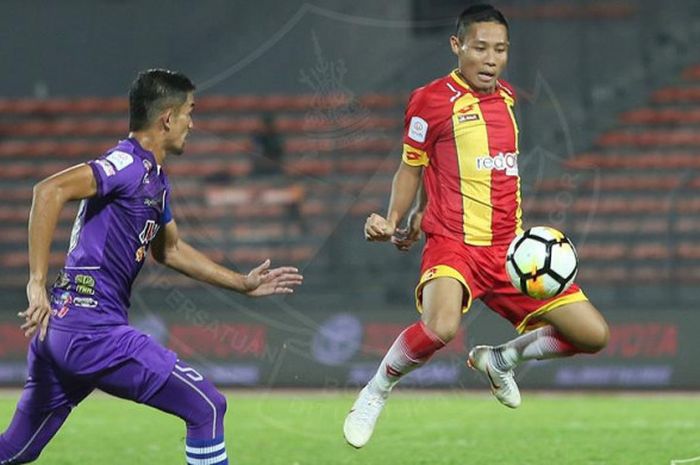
(417, 134)
(116, 173)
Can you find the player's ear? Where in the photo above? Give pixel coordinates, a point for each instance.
(455, 45)
(166, 119)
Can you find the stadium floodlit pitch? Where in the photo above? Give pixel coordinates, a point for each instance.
(305, 428)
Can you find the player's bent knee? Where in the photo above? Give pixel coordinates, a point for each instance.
(596, 338)
(445, 330)
(220, 403)
(211, 411)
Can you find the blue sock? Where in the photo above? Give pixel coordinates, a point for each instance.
(206, 451)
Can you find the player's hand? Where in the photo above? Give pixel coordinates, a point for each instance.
(378, 228)
(38, 312)
(404, 238)
(262, 280)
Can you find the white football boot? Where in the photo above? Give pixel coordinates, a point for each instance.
(359, 424)
(502, 383)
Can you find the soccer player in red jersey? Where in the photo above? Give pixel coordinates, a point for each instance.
(461, 139)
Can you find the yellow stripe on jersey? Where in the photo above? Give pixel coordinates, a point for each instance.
(471, 140)
(519, 212)
(414, 157)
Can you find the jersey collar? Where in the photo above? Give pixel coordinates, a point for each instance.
(458, 79)
(143, 152)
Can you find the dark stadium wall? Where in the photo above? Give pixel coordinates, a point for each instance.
(573, 75)
(572, 70)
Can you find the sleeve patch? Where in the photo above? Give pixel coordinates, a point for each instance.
(106, 167)
(415, 157)
(120, 160)
(418, 129)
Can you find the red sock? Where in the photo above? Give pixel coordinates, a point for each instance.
(414, 346)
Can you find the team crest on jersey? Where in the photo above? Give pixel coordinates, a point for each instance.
(148, 166)
(150, 229)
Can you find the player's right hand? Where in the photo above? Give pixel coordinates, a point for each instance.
(38, 312)
(378, 228)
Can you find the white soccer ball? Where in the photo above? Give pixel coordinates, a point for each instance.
(541, 262)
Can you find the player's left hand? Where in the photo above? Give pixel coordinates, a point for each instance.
(262, 280)
(404, 238)
(38, 312)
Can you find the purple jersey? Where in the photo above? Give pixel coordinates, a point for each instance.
(110, 238)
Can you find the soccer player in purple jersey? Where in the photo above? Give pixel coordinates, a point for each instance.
(82, 339)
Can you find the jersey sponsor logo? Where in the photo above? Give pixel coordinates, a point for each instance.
(85, 302)
(120, 160)
(154, 202)
(85, 284)
(62, 281)
(468, 117)
(106, 167)
(63, 301)
(418, 129)
(507, 162)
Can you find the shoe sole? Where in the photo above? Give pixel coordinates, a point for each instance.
(345, 435)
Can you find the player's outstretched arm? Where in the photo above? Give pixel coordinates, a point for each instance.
(170, 250)
(403, 193)
(49, 196)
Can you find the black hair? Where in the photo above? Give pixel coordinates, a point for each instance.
(153, 91)
(480, 13)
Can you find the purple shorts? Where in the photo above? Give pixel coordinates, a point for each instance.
(67, 366)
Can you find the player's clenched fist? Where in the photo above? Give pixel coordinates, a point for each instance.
(378, 228)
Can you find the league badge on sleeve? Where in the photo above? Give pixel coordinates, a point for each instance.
(418, 129)
(120, 160)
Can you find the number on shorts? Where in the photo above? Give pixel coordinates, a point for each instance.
(190, 372)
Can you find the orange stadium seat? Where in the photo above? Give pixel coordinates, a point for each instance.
(676, 95)
(661, 116)
(692, 73)
(683, 137)
(642, 161)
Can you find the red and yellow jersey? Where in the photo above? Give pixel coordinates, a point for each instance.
(468, 144)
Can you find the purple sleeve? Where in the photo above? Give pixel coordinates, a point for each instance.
(116, 173)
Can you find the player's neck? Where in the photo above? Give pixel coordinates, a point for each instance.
(475, 89)
(150, 143)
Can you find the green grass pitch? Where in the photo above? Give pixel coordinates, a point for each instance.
(305, 428)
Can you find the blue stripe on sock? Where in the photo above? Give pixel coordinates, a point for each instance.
(208, 455)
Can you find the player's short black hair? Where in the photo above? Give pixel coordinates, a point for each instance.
(479, 13)
(153, 91)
